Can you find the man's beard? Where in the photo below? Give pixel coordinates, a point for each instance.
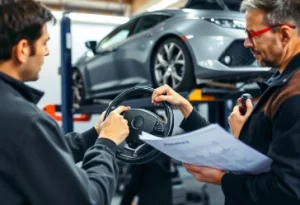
(268, 63)
(264, 62)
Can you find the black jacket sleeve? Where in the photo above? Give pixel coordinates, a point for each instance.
(281, 185)
(193, 122)
(80, 142)
(47, 174)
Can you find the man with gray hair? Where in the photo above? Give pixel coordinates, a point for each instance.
(273, 126)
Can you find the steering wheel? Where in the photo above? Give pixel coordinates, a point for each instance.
(133, 150)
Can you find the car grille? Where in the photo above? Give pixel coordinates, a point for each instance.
(237, 55)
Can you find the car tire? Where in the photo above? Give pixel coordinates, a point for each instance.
(171, 64)
(78, 93)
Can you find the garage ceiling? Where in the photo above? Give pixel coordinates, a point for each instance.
(111, 7)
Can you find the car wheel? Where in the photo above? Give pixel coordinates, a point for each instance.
(172, 65)
(77, 88)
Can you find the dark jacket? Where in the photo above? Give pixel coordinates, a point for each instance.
(273, 128)
(37, 163)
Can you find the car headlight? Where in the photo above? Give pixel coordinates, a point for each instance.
(227, 23)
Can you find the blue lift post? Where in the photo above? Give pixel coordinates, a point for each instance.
(66, 74)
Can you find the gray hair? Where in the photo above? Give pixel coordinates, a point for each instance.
(278, 11)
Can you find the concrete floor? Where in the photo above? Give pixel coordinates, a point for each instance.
(214, 192)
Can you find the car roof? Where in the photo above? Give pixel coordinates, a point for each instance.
(188, 11)
(165, 11)
(233, 5)
(203, 6)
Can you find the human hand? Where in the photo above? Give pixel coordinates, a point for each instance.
(115, 127)
(98, 126)
(205, 174)
(165, 93)
(236, 120)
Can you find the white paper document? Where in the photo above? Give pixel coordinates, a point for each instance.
(211, 146)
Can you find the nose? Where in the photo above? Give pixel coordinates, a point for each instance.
(248, 43)
(47, 52)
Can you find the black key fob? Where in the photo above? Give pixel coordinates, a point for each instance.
(243, 107)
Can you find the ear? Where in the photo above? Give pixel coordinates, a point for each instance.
(22, 51)
(285, 34)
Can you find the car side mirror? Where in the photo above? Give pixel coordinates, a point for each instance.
(92, 45)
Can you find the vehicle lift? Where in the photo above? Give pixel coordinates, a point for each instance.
(215, 97)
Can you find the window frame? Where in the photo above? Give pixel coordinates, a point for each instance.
(114, 32)
(140, 21)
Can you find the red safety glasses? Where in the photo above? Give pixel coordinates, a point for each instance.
(257, 33)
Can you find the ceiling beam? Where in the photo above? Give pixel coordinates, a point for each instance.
(140, 6)
(91, 6)
(83, 10)
(117, 1)
(137, 4)
(179, 4)
(110, 7)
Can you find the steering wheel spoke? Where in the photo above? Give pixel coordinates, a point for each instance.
(159, 128)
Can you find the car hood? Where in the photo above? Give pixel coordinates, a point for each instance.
(232, 5)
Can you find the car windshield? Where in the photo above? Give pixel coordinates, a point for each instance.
(232, 5)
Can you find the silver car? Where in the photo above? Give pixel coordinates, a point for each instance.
(200, 43)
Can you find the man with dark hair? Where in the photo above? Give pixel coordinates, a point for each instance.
(37, 164)
(273, 126)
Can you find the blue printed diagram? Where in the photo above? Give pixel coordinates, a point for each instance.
(221, 157)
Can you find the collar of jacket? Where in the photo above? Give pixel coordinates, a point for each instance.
(29, 93)
(288, 72)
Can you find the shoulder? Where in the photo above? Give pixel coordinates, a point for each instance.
(16, 108)
(18, 115)
(287, 96)
(292, 88)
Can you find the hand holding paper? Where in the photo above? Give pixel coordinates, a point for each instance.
(213, 147)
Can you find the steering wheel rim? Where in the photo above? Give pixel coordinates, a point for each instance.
(167, 131)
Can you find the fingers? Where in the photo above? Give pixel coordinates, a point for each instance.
(249, 104)
(125, 121)
(196, 171)
(249, 107)
(160, 91)
(121, 109)
(235, 112)
(162, 98)
(193, 168)
(236, 109)
(102, 114)
(126, 130)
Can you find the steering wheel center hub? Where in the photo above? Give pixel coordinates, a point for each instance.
(137, 122)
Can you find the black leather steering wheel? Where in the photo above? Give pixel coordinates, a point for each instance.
(133, 150)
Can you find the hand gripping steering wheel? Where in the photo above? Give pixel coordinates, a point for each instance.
(133, 150)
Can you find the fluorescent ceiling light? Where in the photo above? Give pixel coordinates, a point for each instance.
(162, 5)
(92, 18)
